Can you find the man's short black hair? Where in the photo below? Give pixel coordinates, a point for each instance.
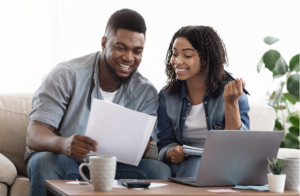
(126, 19)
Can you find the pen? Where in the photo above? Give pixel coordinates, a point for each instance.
(244, 90)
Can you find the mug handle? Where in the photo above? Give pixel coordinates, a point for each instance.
(82, 174)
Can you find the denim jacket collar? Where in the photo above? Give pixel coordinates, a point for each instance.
(183, 92)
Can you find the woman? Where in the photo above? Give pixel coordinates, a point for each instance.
(198, 97)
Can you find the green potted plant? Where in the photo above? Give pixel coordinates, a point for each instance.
(285, 99)
(275, 178)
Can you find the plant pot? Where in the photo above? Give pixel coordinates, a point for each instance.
(292, 173)
(276, 183)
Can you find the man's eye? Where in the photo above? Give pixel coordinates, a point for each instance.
(188, 56)
(119, 48)
(138, 52)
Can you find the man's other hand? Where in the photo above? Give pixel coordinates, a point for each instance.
(78, 146)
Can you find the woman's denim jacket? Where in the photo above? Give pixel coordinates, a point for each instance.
(173, 110)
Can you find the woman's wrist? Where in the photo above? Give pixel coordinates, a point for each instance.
(168, 155)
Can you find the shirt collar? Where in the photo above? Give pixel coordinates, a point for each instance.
(183, 93)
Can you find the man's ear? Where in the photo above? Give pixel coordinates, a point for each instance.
(103, 42)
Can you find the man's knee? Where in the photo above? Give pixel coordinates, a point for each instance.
(42, 164)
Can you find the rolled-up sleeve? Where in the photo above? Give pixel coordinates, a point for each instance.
(166, 138)
(50, 101)
(244, 112)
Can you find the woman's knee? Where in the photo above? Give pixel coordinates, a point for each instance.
(155, 169)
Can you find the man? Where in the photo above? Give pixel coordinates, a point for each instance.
(61, 105)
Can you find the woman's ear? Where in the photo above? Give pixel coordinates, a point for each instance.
(103, 42)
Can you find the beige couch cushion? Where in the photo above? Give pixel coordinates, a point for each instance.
(20, 187)
(3, 189)
(14, 110)
(262, 117)
(288, 153)
(8, 171)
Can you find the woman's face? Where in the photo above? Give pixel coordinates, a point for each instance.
(185, 60)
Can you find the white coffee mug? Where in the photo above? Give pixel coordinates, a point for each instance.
(102, 172)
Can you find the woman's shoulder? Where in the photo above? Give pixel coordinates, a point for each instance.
(164, 94)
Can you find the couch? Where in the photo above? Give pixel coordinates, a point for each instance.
(14, 110)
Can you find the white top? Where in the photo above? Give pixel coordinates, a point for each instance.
(195, 128)
(107, 96)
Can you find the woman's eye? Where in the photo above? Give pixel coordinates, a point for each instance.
(188, 56)
(174, 54)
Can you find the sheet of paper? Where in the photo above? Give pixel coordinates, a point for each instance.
(152, 185)
(257, 188)
(223, 191)
(116, 185)
(119, 131)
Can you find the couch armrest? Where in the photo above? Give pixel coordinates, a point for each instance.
(8, 171)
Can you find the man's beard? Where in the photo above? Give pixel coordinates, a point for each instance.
(114, 74)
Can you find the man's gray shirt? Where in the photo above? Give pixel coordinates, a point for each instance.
(64, 98)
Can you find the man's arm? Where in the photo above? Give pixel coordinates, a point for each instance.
(41, 137)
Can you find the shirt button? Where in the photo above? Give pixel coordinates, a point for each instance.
(206, 117)
(183, 118)
(189, 103)
(205, 102)
(84, 160)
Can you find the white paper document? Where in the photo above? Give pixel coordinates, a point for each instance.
(193, 151)
(116, 185)
(119, 131)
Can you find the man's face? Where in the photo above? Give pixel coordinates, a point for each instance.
(123, 51)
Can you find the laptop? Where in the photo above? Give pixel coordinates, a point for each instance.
(235, 158)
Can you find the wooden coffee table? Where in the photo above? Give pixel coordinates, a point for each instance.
(59, 187)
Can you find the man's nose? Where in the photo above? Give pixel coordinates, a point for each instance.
(128, 56)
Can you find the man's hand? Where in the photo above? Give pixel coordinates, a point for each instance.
(78, 146)
(176, 155)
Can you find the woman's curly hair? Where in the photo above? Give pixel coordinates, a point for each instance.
(212, 54)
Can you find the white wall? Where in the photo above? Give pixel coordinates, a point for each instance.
(37, 34)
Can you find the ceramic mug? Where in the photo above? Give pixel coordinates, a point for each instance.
(102, 172)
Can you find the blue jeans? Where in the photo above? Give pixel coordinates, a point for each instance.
(188, 168)
(44, 166)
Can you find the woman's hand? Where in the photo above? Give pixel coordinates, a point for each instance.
(233, 91)
(176, 155)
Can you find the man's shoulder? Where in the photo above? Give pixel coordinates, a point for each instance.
(84, 64)
(85, 61)
(139, 82)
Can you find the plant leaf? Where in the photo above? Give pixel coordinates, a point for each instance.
(293, 85)
(276, 75)
(270, 58)
(294, 130)
(291, 141)
(294, 63)
(260, 65)
(281, 66)
(270, 40)
(294, 120)
(290, 98)
(278, 126)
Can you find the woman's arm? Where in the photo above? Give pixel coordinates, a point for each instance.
(166, 138)
(236, 111)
